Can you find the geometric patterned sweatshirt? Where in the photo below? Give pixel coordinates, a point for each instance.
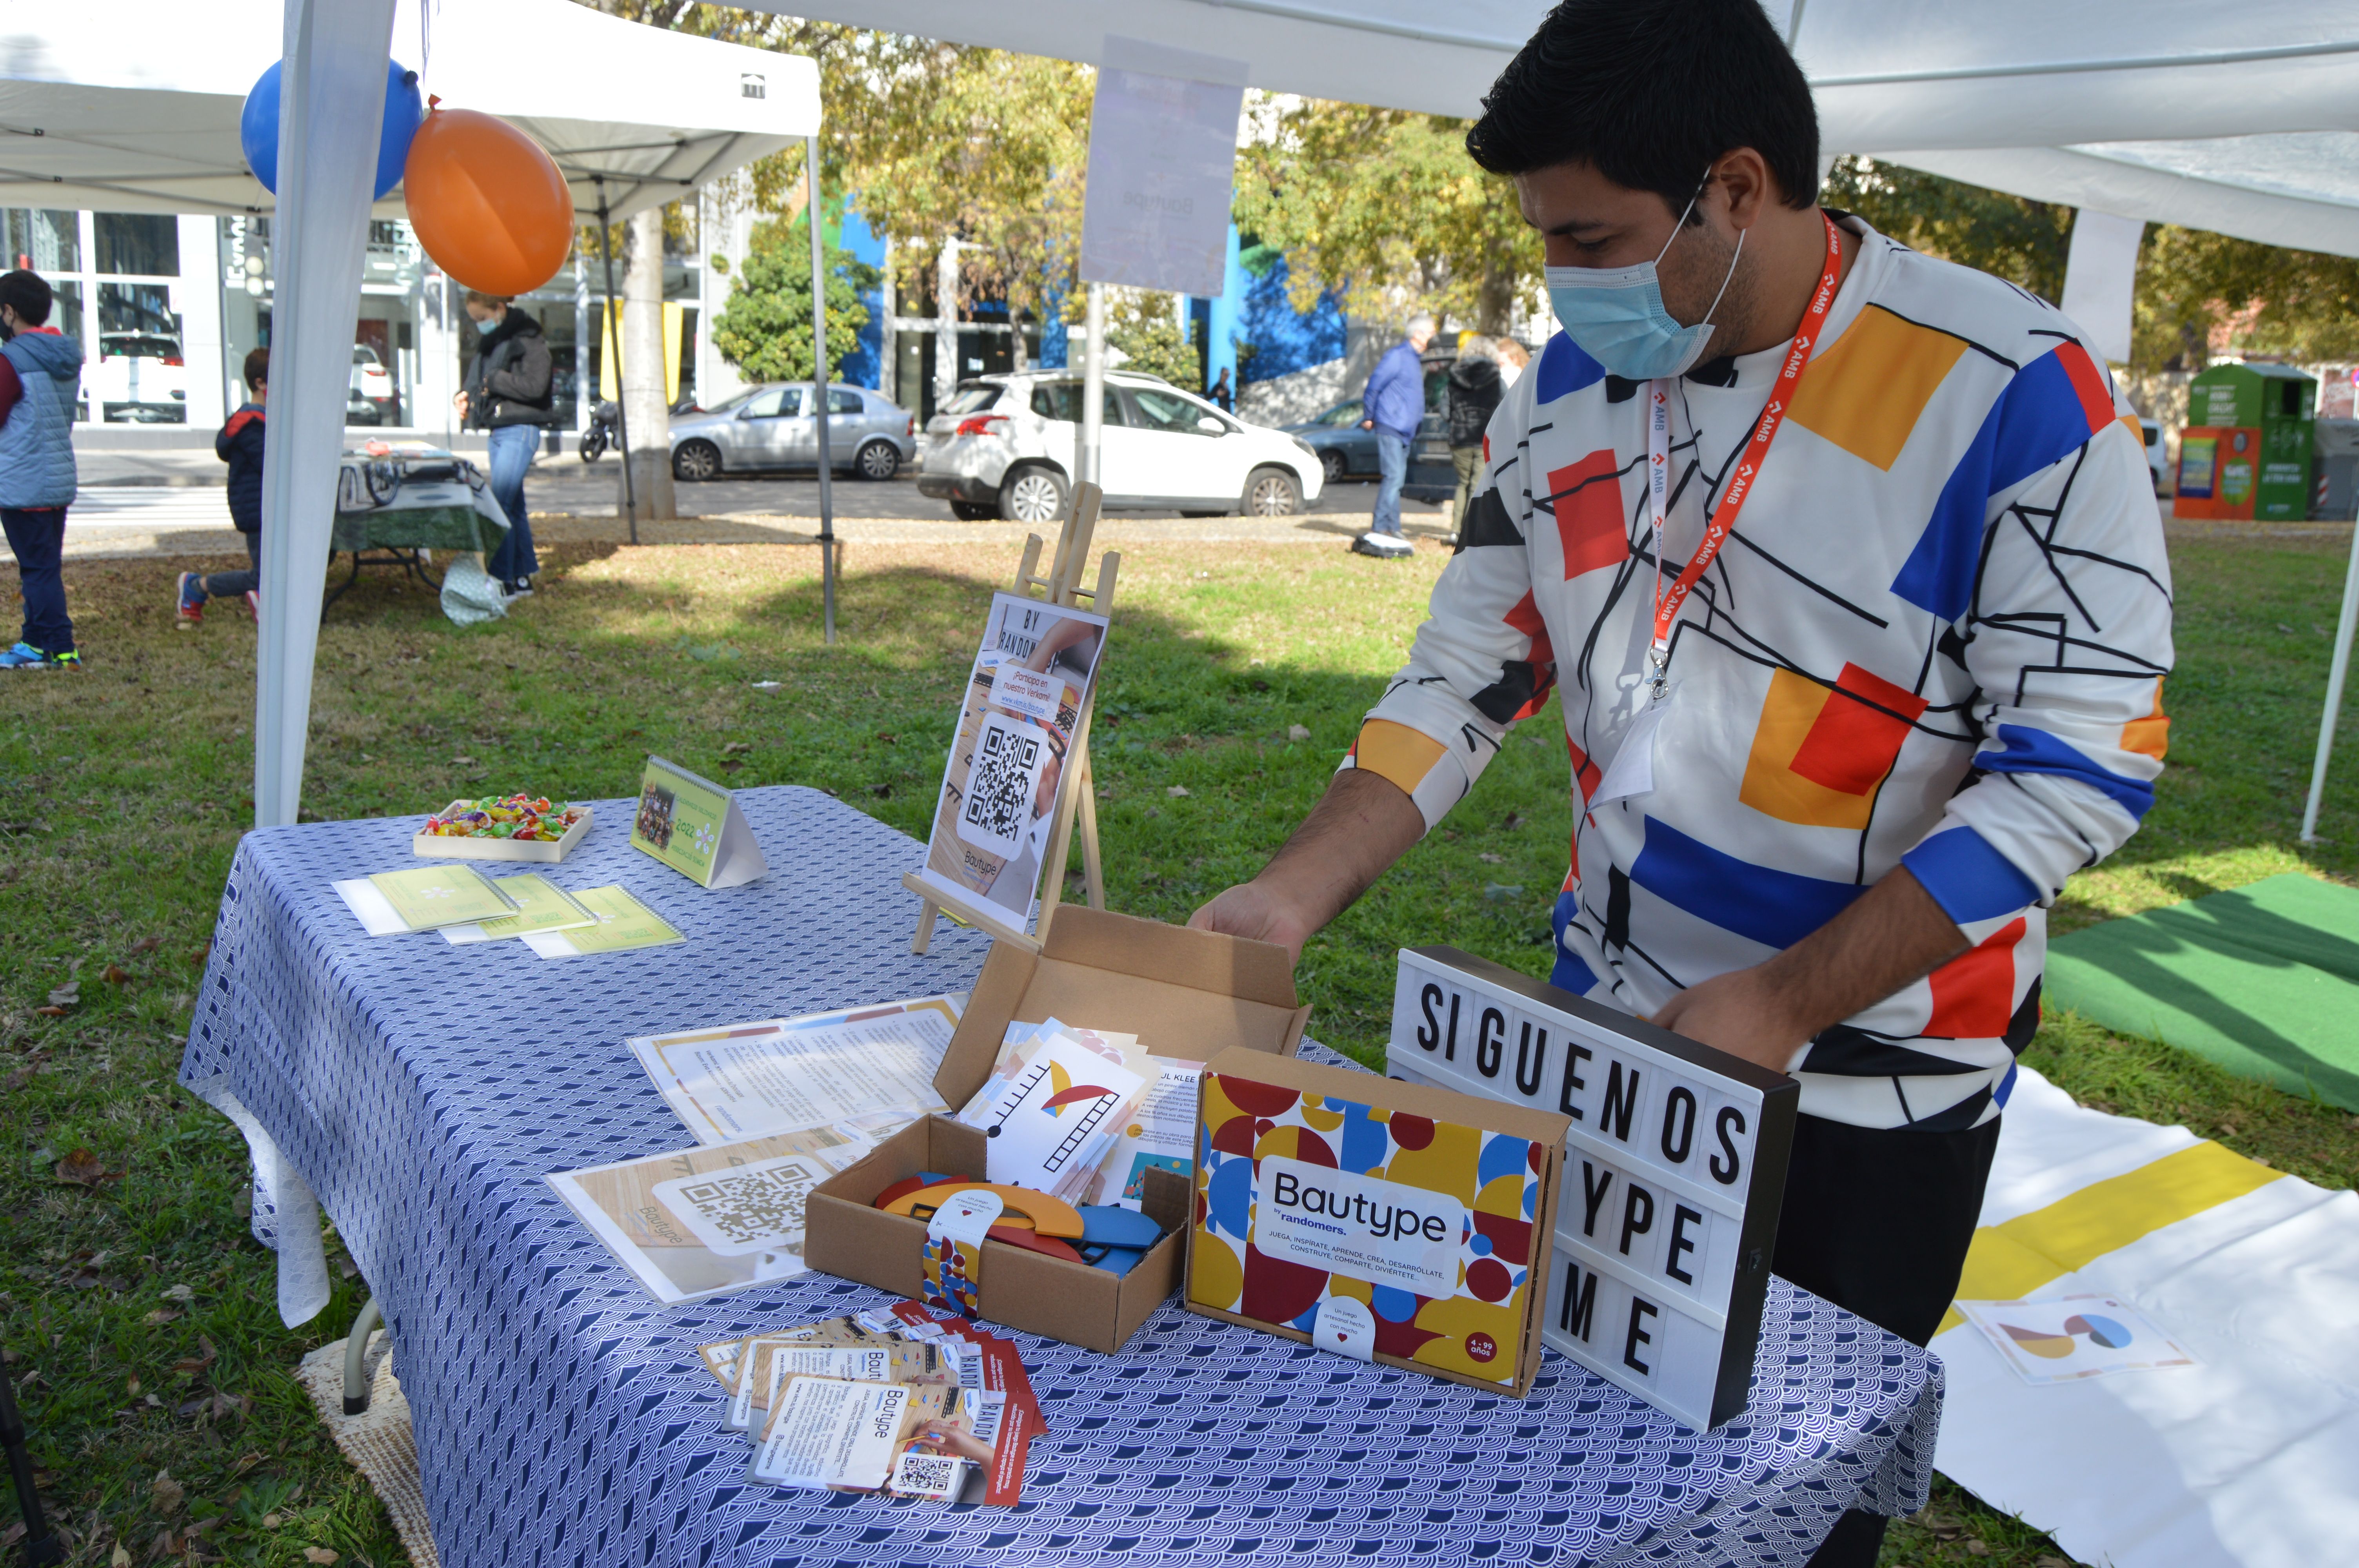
(1936, 639)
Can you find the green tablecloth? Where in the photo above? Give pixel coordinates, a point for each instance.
(432, 514)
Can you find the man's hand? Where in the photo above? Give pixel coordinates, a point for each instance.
(1367, 424)
(1362, 823)
(1741, 1013)
(1892, 936)
(1254, 911)
(459, 401)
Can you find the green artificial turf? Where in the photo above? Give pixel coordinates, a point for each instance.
(123, 791)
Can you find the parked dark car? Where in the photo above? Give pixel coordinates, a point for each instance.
(1347, 451)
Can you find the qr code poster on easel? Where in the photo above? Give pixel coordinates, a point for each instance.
(1024, 704)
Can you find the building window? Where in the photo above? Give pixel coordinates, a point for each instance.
(145, 244)
(42, 241)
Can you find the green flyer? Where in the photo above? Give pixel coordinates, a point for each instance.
(542, 906)
(434, 897)
(694, 826)
(624, 923)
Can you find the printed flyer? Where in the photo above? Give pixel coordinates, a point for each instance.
(705, 1220)
(742, 1080)
(1025, 699)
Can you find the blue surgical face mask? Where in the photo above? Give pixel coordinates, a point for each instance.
(1617, 315)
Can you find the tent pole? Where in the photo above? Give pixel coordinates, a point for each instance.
(611, 342)
(1093, 386)
(818, 384)
(2340, 667)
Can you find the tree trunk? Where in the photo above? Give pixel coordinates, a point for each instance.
(646, 410)
(1495, 301)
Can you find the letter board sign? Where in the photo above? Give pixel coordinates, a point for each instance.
(1674, 1171)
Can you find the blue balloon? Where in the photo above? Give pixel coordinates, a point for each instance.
(257, 128)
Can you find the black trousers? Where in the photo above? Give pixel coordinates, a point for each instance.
(1877, 1221)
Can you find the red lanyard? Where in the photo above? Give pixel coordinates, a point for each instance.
(1668, 603)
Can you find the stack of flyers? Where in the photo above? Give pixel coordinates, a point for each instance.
(1047, 1132)
(895, 1400)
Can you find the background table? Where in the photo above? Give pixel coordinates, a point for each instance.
(379, 509)
(562, 1416)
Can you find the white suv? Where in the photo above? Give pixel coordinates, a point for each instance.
(1005, 445)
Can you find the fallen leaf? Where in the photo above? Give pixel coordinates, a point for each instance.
(12, 1535)
(67, 994)
(1297, 732)
(245, 1462)
(270, 1521)
(180, 1294)
(147, 944)
(882, 792)
(2261, 1160)
(1491, 859)
(117, 975)
(122, 1558)
(318, 1554)
(1178, 791)
(1977, 1549)
(168, 1494)
(731, 764)
(159, 1317)
(50, 1012)
(463, 761)
(734, 747)
(85, 1169)
(1510, 822)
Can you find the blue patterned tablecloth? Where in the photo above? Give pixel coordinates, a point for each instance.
(561, 1416)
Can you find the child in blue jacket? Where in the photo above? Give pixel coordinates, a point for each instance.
(238, 444)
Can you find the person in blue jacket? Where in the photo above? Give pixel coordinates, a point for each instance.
(1391, 405)
(239, 444)
(40, 372)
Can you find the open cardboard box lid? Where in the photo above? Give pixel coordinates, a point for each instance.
(1186, 994)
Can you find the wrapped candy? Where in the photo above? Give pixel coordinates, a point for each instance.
(512, 817)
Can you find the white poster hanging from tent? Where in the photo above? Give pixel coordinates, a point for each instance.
(1163, 149)
(2100, 277)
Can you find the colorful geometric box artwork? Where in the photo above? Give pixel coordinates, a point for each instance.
(1374, 1219)
(1675, 1170)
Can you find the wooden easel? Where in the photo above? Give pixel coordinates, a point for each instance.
(1076, 789)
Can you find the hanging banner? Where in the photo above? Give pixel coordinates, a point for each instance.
(1163, 151)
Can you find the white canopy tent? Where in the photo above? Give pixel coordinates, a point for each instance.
(128, 107)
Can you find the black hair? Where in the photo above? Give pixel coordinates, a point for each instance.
(1649, 93)
(257, 366)
(28, 293)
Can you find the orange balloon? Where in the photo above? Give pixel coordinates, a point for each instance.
(487, 202)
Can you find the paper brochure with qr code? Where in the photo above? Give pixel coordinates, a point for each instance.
(1025, 699)
(703, 1221)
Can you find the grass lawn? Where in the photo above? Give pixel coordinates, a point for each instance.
(141, 1316)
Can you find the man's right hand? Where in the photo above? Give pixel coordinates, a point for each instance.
(1362, 823)
(1367, 424)
(1253, 911)
(459, 401)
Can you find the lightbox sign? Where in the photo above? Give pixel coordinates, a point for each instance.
(1674, 1171)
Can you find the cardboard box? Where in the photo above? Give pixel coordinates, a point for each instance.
(546, 851)
(1449, 1257)
(1192, 995)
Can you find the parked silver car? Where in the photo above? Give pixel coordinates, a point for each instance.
(772, 427)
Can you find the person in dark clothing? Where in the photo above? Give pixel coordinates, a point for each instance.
(507, 392)
(238, 444)
(1222, 395)
(1474, 391)
(40, 370)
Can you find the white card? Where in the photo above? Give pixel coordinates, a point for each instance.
(1046, 1124)
(370, 907)
(2072, 1338)
(1632, 773)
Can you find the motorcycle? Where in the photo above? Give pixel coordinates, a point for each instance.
(605, 430)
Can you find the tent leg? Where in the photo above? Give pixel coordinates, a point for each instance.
(2343, 629)
(819, 414)
(612, 339)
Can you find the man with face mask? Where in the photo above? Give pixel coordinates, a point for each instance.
(1845, 564)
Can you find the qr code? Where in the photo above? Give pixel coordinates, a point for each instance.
(753, 1208)
(927, 1475)
(1000, 785)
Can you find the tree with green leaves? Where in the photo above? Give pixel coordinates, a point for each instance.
(1385, 208)
(764, 329)
(2199, 294)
